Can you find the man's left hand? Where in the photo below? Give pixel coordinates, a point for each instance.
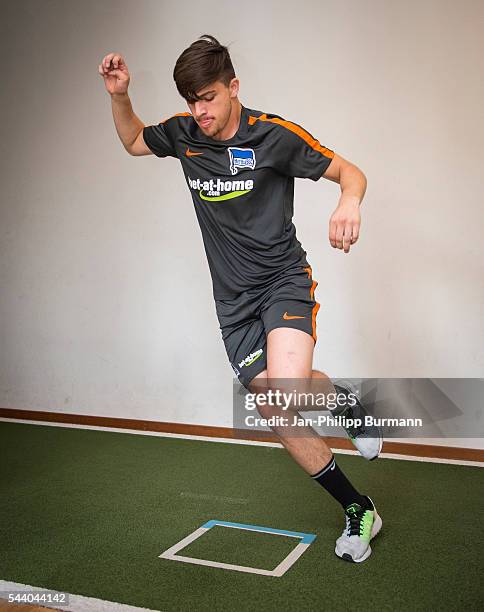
(344, 224)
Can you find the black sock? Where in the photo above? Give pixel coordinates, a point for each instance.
(338, 486)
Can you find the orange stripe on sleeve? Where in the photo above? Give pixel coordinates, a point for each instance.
(177, 115)
(296, 129)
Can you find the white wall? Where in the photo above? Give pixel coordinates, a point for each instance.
(105, 303)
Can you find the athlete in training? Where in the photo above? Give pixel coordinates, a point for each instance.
(240, 166)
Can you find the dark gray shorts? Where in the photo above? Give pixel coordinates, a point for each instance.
(246, 320)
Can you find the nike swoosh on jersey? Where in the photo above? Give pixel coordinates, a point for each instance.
(189, 153)
(288, 316)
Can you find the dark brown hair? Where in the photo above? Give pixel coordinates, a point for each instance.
(203, 62)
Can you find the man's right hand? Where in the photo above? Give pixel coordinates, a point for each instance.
(115, 73)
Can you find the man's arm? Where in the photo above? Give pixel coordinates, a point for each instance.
(129, 127)
(350, 177)
(344, 224)
(301, 155)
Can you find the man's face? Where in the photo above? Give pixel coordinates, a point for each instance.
(213, 110)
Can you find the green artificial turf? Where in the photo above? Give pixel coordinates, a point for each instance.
(89, 512)
(241, 547)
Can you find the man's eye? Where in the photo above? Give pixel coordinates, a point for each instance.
(210, 99)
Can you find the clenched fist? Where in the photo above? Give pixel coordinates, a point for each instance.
(115, 73)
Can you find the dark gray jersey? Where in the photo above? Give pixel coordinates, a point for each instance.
(243, 192)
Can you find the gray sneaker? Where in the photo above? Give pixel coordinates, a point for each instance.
(367, 439)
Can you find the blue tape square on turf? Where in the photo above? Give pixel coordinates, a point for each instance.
(306, 538)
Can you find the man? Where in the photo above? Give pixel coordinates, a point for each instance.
(240, 166)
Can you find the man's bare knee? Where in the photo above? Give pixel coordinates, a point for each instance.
(318, 383)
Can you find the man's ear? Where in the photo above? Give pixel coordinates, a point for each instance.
(234, 87)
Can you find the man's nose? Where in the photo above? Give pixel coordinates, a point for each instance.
(200, 109)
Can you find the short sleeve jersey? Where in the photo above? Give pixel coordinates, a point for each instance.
(243, 192)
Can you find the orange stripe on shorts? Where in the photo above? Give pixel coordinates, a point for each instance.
(315, 309)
